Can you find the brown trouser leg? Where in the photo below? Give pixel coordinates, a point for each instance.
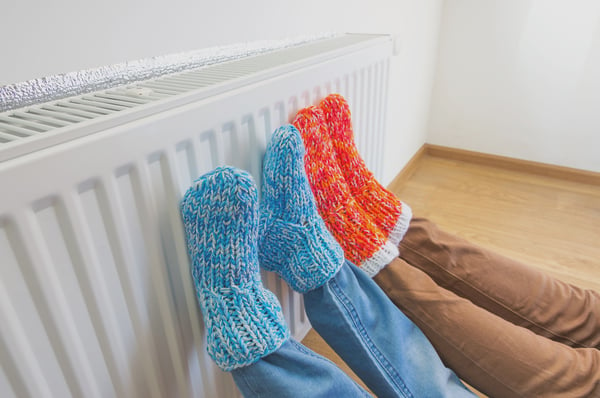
(507, 288)
(497, 357)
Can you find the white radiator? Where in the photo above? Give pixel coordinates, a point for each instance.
(96, 298)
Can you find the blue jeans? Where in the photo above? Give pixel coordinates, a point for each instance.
(381, 345)
(295, 371)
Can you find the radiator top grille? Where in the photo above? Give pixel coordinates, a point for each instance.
(22, 126)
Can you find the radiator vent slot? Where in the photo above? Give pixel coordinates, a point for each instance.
(33, 122)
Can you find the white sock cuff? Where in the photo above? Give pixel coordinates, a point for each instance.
(380, 259)
(397, 233)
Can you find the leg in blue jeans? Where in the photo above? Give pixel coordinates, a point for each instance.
(381, 345)
(293, 371)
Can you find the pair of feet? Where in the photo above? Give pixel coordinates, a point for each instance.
(365, 218)
(229, 233)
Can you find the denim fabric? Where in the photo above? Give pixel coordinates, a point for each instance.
(381, 345)
(295, 371)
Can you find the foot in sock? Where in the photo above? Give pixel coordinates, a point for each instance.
(243, 320)
(387, 212)
(293, 239)
(363, 243)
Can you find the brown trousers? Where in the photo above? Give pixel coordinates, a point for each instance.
(503, 327)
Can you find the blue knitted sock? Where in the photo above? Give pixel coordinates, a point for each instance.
(293, 239)
(243, 320)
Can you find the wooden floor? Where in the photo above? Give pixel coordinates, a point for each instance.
(549, 223)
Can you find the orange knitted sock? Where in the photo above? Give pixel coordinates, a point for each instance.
(383, 207)
(362, 241)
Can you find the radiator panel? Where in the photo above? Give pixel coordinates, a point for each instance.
(96, 294)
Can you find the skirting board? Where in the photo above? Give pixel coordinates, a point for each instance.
(408, 170)
(485, 159)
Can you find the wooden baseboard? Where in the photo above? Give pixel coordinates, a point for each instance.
(525, 166)
(485, 159)
(408, 170)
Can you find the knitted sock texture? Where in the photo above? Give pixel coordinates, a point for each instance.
(384, 208)
(363, 243)
(243, 320)
(293, 239)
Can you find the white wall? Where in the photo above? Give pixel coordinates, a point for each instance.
(411, 85)
(65, 35)
(52, 37)
(520, 78)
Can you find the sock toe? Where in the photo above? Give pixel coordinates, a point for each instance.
(308, 121)
(336, 113)
(284, 181)
(220, 211)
